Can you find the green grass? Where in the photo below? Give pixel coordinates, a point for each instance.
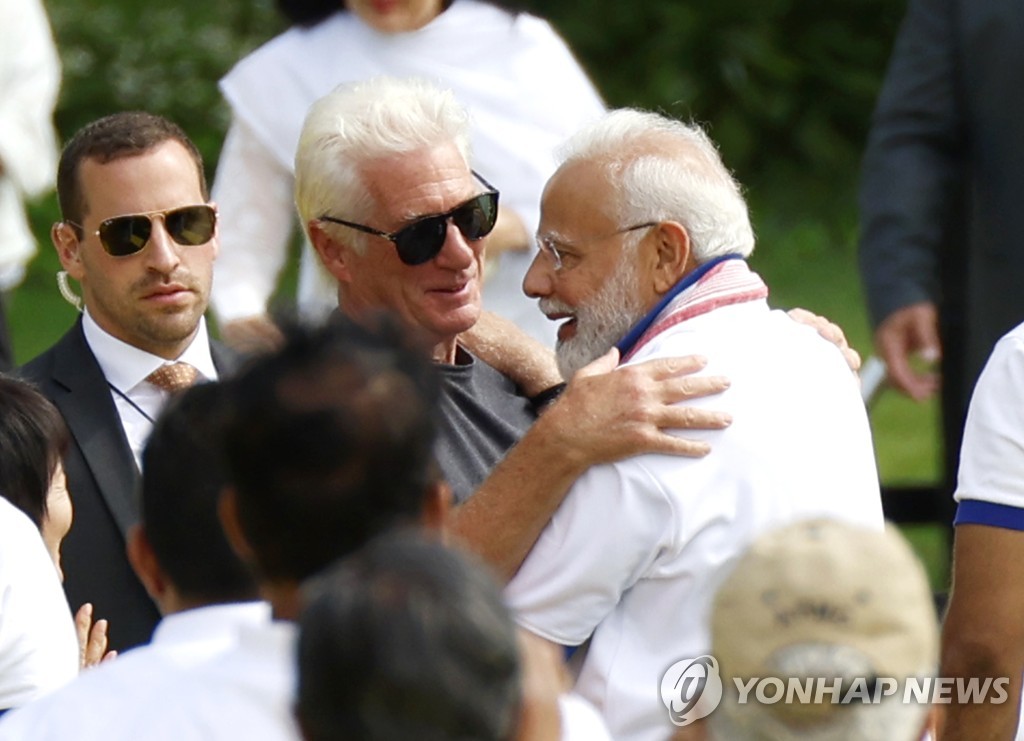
(804, 263)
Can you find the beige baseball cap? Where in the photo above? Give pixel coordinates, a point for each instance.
(821, 596)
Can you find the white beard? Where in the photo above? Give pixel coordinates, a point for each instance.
(602, 321)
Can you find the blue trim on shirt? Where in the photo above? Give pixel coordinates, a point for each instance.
(634, 334)
(974, 512)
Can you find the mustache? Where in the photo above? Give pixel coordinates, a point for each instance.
(179, 278)
(554, 306)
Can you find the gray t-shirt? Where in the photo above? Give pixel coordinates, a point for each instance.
(483, 414)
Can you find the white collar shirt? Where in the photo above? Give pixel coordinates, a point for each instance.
(246, 692)
(98, 703)
(126, 367)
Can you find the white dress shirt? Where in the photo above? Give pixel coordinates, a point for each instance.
(244, 693)
(104, 698)
(126, 368)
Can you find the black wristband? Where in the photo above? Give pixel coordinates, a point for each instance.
(547, 396)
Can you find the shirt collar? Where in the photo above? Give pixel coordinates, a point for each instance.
(125, 366)
(690, 279)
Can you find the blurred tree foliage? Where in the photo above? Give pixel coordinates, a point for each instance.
(785, 86)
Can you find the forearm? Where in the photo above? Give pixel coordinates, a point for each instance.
(509, 350)
(506, 515)
(970, 656)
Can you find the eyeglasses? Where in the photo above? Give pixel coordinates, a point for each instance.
(125, 235)
(549, 247)
(421, 240)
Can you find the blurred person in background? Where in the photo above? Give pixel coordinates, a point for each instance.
(29, 82)
(524, 90)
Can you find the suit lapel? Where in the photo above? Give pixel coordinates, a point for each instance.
(91, 416)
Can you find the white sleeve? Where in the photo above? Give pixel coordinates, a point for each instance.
(580, 720)
(253, 193)
(608, 532)
(992, 453)
(29, 82)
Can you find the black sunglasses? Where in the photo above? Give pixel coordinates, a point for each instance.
(125, 235)
(421, 240)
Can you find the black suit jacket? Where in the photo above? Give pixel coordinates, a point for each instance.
(942, 189)
(103, 481)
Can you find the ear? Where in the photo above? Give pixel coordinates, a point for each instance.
(672, 255)
(65, 241)
(227, 511)
(332, 252)
(145, 564)
(437, 505)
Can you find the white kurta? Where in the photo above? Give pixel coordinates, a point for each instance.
(38, 645)
(636, 551)
(523, 88)
(29, 81)
(104, 698)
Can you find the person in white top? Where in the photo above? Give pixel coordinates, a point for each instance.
(38, 645)
(642, 240)
(981, 635)
(138, 234)
(206, 594)
(29, 83)
(522, 86)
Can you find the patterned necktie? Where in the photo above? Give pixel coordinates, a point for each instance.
(173, 376)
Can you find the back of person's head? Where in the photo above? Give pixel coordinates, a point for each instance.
(824, 601)
(662, 169)
(330, 442)
(407, 639)
(110, 138)
(362, 122)
(33, 440)
(182, 482)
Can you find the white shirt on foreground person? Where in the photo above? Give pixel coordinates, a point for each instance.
(101, 701)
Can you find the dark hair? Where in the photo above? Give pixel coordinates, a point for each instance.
(183, 478)
(330, 443)
(110, 138)
(310, 12)
(33, 439)
(407, 639)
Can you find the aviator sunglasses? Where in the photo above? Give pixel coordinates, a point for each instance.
(125, 235)
(421, 240)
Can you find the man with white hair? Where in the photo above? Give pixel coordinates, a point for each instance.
(643, 238)
(385, 191)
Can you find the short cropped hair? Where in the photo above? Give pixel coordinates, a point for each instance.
(664, 169)
(182, 482)
(407, 639)
(33, 440)
(358, 123)
(113, 137)
(330, 442)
